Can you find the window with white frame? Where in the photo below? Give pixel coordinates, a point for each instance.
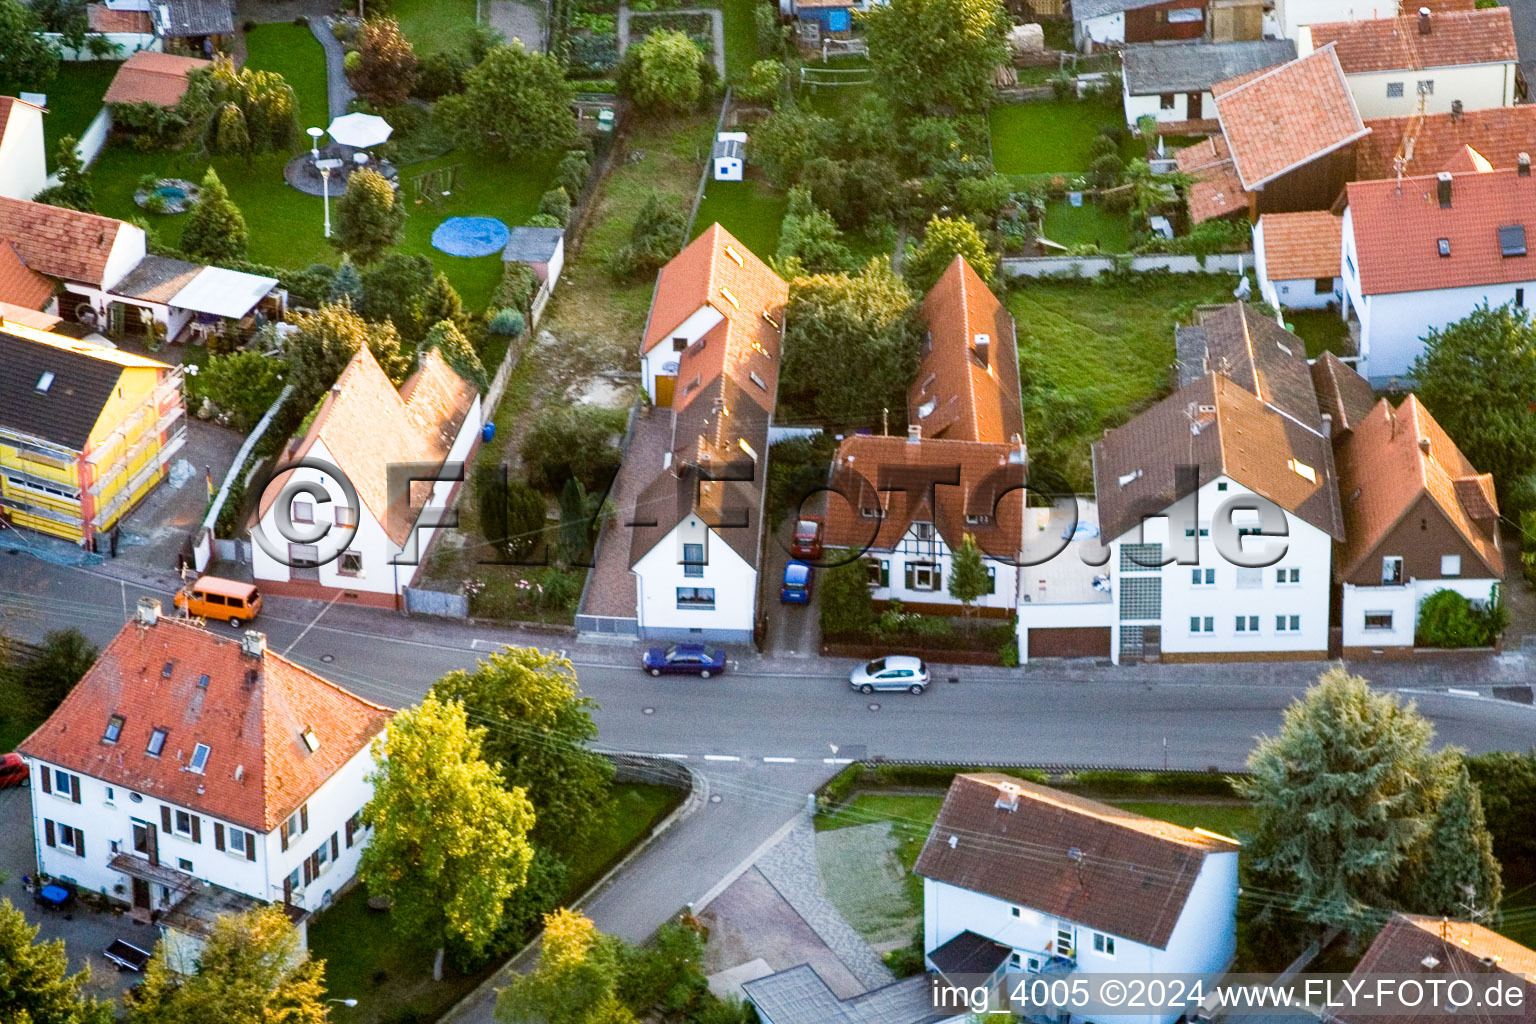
(181, 823)
(693, 559)
(1247, 624)
(923, 576)
(1207, 624)
(156, 743)
(1378, 620)
(1287, 623)
(1287, 575)
(1202, 577)
(66, 786)
(696, 597)
(199, 759)
(922, 531)
(1394, 90)
(303, 512)
(1392, 570)
(1104, 945)
(238, 842)
(350, 563)
(346, 515)
(1450, 565)
(71, 839)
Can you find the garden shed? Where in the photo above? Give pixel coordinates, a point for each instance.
(730, 156)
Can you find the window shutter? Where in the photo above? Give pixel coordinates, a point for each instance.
(304, 818)
(309, 870)
(165, 819)
(48, 832)
(74, 788)
(909, 578)
(287, 889)
(218, 836)
(282, 836)
(250, 846)
(47, 779)
(335, 846)
(79, 843)
(351, 830)
(197, 831)
(885, 572)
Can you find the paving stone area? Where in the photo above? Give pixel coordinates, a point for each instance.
(791, 868)
(866, 882)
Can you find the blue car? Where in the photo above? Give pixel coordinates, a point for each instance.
(685, 659)
(797, 584)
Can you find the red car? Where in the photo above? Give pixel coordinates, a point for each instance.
(807, 542)
(13, 771)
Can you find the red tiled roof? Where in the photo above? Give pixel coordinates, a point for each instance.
(1286, 116)
(149, 77)
(105, 19)
(1390, 459)
(1298, 246)
(61, 243)
(28, 317)
(1499, 134)
(1217, 191)
(1411, 946)
(1391, 44)
(711, 270)
(20, 285)
(971, 400)
(365, 425)
(1397, 227)
(1066, 856)
(251, 714)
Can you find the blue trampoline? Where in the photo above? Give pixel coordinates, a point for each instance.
(471, 236)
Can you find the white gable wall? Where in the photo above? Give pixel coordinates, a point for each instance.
(661, 361)
(1292, 14)
(893, 564)
(660, 574)
(1138, 106)
(1477, 86)
(23, 157)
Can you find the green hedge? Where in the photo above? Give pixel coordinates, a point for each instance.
(1113, 784)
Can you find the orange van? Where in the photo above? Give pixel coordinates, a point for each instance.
(214, 598)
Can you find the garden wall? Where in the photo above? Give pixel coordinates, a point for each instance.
(92, 141)
(126, 43)
(1093, 266)
(436, 602)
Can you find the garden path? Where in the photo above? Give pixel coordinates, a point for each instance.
(519, 21)
(717, 28)
(339, 91)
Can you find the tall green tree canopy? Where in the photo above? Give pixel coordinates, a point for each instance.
(369, 216)
(252, 968)
(35, 983)
(387, 70)
(326, 341)
(74, 190)
(215, 228)
(450, 841)
(850, 346)
(540, 725)
(264, 99)
(662, 71)
(513, 100)
(1457, 874)
(943, 239)
(1490, 353)
(1346, 797)
(968, 577)
(458, 353)
(47, 674)
(25, 56)
(576, 980)
(929, 54)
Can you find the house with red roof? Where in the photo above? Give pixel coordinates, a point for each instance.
(1422, 252)
(908, 502)
(374, 474)
(190, 774)
(1297, 259)
(1425, 61)
(710, 364)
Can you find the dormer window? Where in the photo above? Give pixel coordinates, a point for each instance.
(202, 681)
(156, 743)
(1445, 246)
(165, 670)
(114, 729)
(1512, 240)
(311, 741)
(45, 381)
(199, 758)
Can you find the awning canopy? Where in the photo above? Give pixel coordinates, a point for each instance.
(221, 292)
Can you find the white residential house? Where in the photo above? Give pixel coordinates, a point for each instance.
(190, 774)
(1172, 82)
(1298, 259)
(1432, 62)
(1287, 17)
(23, 156)
(1242, 439)
(1022, 880)
(1419, 518)
(710, 359)
(369, 550)
(1426, 251)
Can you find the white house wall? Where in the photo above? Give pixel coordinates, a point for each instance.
(1301, 294)
(128, 251)
(343, 795)
(23, 160)
(1292, 14)
(1101, 31)
(660, 573)
(1403, 603)
(1137, 107)
(1477, 86)
(1005, 576)
(654, 363)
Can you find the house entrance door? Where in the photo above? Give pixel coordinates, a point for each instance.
(140, 894)
(1194, 109)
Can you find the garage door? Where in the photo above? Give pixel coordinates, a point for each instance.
(1070, 642)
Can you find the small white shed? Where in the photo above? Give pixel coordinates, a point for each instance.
(730, 156)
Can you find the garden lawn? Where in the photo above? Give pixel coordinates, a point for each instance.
(435, 25)
(836, 100)
(1103, 347)
(293, 52)
(1045, 138)
(1235, 821)
(1322, 329)
(751, 210)
(74, 98)
(740, 36)
(366, 960)
(1089, 224)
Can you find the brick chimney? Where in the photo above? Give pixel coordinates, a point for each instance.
(1523, 165)
(1423, 21)
(1443, 189)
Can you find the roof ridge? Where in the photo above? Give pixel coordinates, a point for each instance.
(1075, 804)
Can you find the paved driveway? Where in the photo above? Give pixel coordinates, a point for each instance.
(85, 933)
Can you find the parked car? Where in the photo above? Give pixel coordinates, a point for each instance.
(797, 584)
(685, 659)
(13, 771)
(1080, 530)
(214, 598)
(807, 542)
(896, 672)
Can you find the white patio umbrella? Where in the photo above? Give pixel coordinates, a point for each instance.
(360, 130)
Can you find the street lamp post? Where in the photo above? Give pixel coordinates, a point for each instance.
(325, 185)
(314, 145)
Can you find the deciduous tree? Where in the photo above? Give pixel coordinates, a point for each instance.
(929, 54)
(846, 604)
(1506, 781)
(1490, 353)
(450, 841)
(35, 983)
(393, 288)
(543, 724)
(513, 100)
(386, 74)
(26, 56)
(369, 216)
(327, 339)
(215, 228)
(48, 674)
(458, 353)
(576, 980)
(662, 71)
(866, 321)
(74, 188)
(968, 577)
(943, 239)
(809, 239)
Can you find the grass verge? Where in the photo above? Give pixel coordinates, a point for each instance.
(1322, 329)
(753, 211)
(1041, 138)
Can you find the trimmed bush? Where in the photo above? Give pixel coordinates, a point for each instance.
(556, 203)
(507, 323)
(572, 172)
(1449, 620)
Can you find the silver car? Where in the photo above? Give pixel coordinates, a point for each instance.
(896, 672)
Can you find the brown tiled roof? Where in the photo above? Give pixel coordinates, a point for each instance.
(1282, 118)
(20, 285)
(1384, 468)
(972, 400)
(1341, 393)
(1221, 429)
(104, 19)
(1391, 44)
(1412, 946)
(964, 478)
(1398, 225)
(251, 714)
(1302, 245)
(61, 243)
(1263, 358)
(149, 77)
(1129, 876)
(364, 425)
(1499, 134)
